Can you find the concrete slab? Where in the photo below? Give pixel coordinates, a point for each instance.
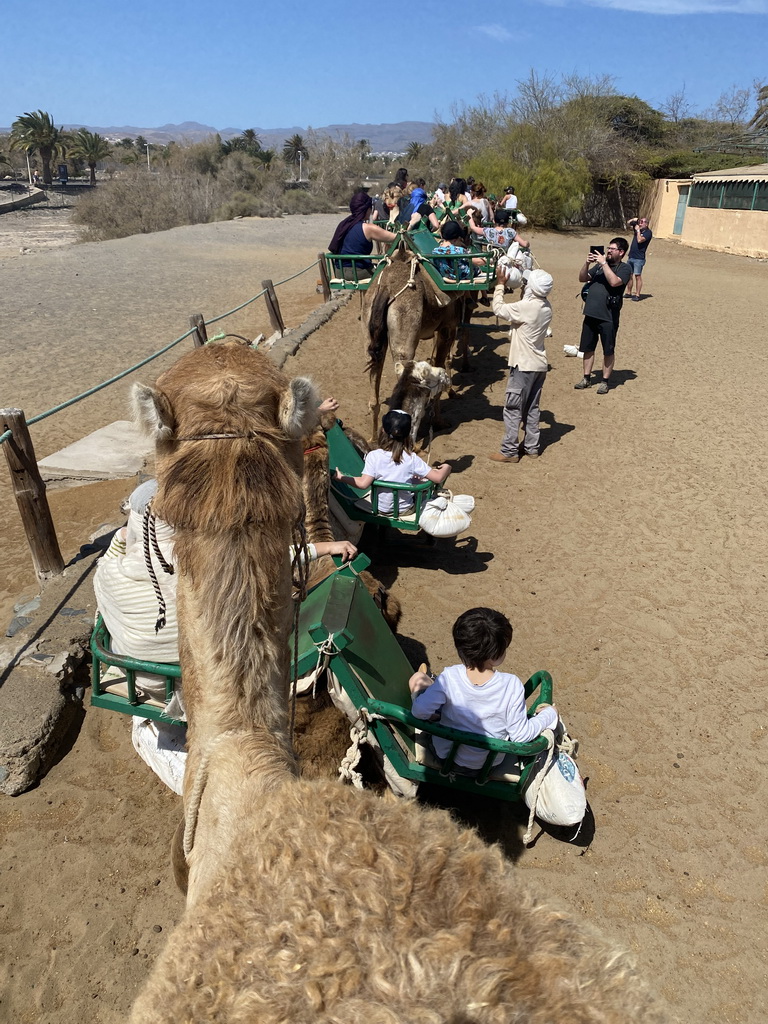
(113, 452)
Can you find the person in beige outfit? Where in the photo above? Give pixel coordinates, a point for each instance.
(529, 319)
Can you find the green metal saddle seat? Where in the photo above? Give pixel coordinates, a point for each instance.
(363, 506)
(368, 681)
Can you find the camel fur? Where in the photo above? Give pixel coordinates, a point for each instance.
(402, 306)
(308, 901)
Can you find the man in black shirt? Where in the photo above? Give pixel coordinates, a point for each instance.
(607, 277)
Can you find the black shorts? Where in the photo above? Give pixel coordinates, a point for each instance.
(605, 330)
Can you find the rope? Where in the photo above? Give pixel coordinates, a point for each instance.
(149, 536)
(300, 577)
(192, 811)
(113, 380)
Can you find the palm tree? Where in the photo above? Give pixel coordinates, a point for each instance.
(37, 133)
(760, 120)
(265, 157)
(252, 141)
(90, 147)
(413, 152)
(294, 150)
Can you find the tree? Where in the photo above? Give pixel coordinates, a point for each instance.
(760, 118)
(91, 148)
(37, 133)
(413, 152)
(292, 148)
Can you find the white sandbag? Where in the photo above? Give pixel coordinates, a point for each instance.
(443, 517)
(558, 797)
(162, 747)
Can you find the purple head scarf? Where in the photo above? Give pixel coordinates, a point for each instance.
(359, 205)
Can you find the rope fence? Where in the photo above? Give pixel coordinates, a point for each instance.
(26, 481)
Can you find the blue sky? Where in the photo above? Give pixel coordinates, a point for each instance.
(242, 64)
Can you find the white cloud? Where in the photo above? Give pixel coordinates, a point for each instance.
(671, 6)
(498, 33)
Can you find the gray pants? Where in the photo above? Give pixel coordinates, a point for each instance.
(521, 405)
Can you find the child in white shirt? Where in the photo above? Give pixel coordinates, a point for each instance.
(394, 461)
(474, 696)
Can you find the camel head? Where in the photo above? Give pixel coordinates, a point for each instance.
(251, 476)
(418, 384)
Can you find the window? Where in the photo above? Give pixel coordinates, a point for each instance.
(729, 195)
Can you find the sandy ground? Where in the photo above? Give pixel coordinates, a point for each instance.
(631, 558)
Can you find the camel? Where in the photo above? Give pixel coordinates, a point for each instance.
(402, 306)
(418, 389)
(308, 901)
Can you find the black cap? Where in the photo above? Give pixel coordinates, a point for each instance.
(396, 424)
(451, 229)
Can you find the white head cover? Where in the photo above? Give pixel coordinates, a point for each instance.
(539, 283)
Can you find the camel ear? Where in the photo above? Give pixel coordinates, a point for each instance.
(298, 407)
(152, 412)
(399, 369)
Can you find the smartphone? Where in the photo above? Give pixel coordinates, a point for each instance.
(597, 248)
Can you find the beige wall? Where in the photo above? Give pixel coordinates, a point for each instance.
(660, 205)
(743, 232)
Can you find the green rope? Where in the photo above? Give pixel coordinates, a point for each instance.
(113, 380)
(237, 309)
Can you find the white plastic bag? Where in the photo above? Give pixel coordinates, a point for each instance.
(555, 790)
(443, 517)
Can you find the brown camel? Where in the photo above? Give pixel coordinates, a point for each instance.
(308, 901)
(403, 306)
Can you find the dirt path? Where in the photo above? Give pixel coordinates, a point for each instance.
(631, 559)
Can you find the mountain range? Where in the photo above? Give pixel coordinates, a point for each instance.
(382, 138)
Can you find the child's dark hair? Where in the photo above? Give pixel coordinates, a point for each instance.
(395, 434)
(481, 635)
(501, 217)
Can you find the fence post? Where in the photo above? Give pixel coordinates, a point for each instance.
(324, 277)
(29, 491)
(200, 337)
(273, 307)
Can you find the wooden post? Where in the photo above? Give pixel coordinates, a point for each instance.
(200, 337)
(29, 491)
(273, 307)
(324, 277)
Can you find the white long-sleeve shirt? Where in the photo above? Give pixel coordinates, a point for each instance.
(496, 708)
(530, 319)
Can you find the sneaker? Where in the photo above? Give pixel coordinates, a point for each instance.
(635, 298)
(498, 457)
(603, 389)
(532, 455)
(585, 382)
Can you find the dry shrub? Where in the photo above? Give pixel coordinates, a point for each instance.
(138, 203)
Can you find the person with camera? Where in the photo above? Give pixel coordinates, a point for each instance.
(604, 276)
(637, 254)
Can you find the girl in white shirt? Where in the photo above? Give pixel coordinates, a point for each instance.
(394, 461)
(474, 696)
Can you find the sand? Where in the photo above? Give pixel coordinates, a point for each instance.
(631, 558)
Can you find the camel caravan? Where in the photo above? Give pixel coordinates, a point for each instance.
(323, 899)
